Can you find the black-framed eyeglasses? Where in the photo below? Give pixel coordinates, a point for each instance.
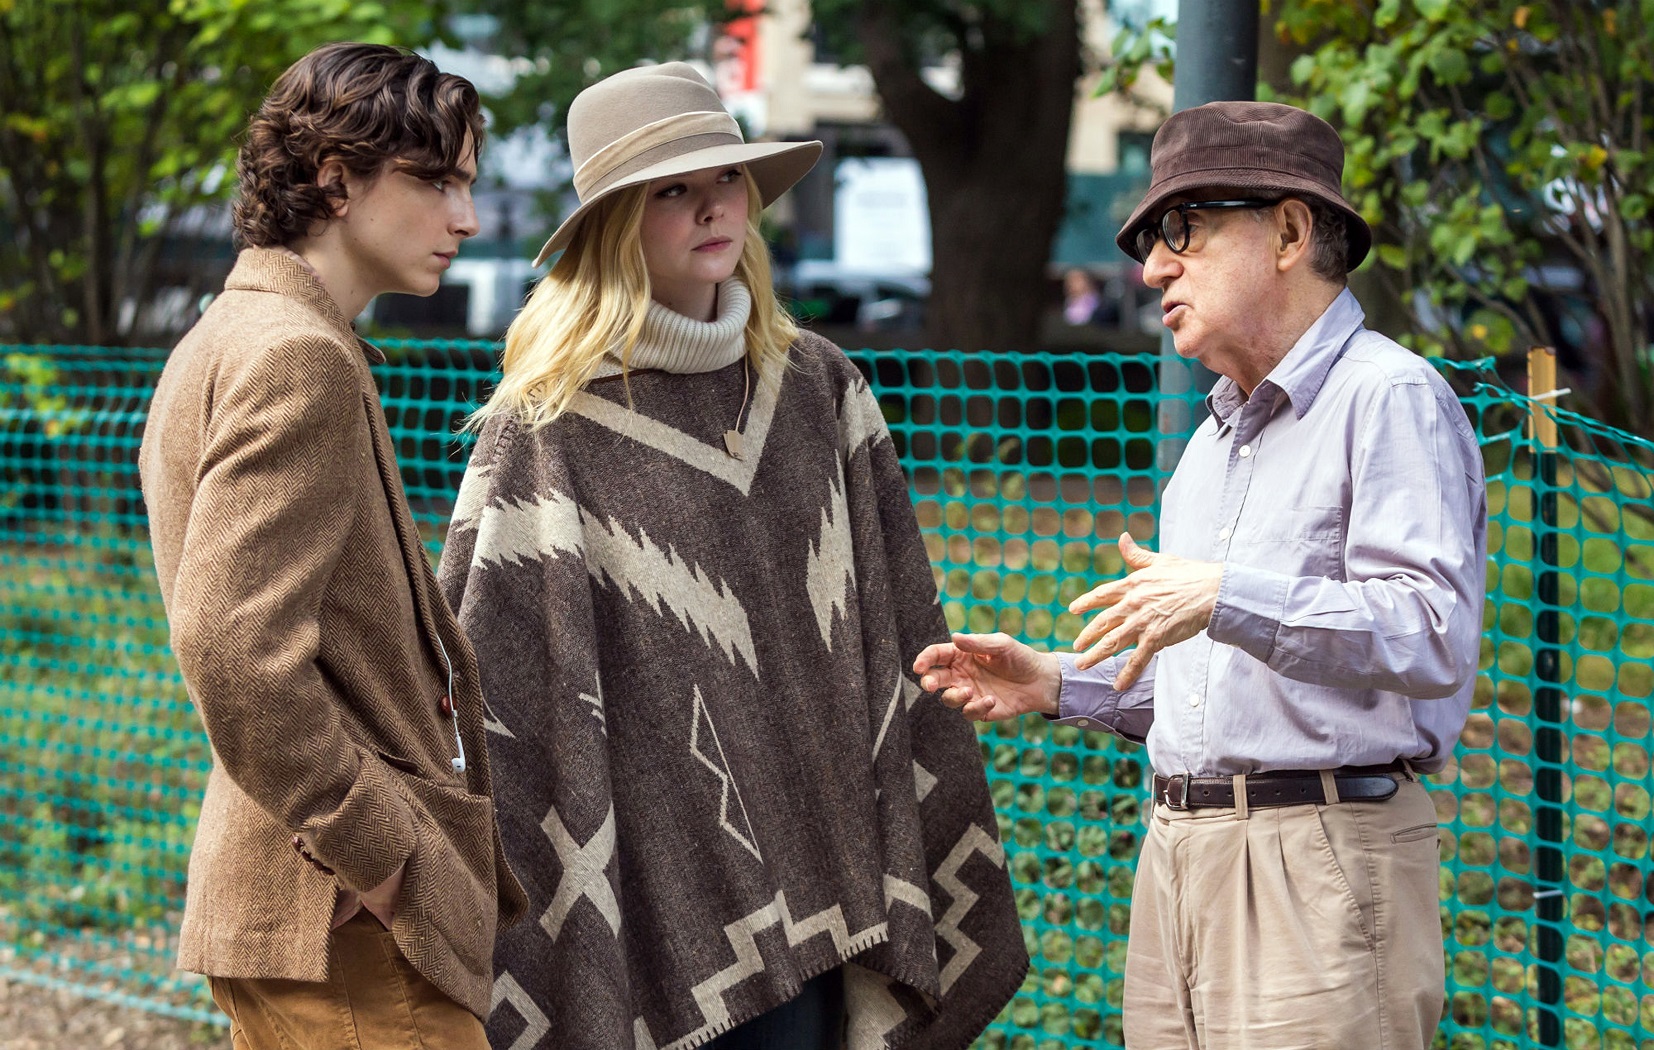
(1174, 227)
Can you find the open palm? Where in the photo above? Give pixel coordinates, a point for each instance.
(990, 677)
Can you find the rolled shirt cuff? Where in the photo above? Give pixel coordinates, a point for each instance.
(1088, 700)
(1250, 606)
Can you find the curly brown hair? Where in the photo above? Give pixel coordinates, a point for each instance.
(364, 105)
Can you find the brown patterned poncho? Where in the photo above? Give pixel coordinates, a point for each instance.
(714, 776)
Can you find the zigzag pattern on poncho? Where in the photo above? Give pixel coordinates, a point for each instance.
(714, 776)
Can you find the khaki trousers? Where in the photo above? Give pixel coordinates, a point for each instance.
(1313, 927)
(373, 999)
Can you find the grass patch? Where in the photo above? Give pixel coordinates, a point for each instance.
(103, 770)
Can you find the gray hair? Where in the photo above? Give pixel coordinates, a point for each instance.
(1329, 241)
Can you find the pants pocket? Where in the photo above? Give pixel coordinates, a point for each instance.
(1359, 904)
(427, 1019)
(223, 995)
(1417, 833)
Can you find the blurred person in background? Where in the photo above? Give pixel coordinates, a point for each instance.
(1081, 300)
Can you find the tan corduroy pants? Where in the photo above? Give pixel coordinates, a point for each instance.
(373, 999)
(1312, 927)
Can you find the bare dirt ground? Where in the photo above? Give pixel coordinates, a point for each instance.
(33, 1018)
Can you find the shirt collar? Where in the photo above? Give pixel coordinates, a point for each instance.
(1301, 373)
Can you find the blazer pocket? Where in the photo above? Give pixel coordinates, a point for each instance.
(395, 762)
(450, 888)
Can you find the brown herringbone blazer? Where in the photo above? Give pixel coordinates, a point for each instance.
(316, 646)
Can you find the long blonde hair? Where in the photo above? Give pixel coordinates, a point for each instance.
(593, 302)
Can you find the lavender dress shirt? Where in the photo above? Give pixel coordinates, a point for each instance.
(1345, 499)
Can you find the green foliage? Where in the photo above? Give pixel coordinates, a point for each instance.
(1491, 143)
(29, 381)
(570, 44)
(32, 406)
(1135, 49)
(122, 114)
(1496, 147)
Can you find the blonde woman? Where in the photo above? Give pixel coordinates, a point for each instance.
(685, 554)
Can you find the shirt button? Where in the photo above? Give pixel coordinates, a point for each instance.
(1245, 450)
(1224, 533)
(1194, 699)
(1084, 723)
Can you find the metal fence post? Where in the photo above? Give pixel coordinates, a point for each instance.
(1217, 60)
(1549, 890)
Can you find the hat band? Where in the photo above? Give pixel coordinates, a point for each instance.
(595, 169)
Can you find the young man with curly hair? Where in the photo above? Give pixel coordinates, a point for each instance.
(346, 880)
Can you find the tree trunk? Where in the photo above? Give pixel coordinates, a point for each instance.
(995, 168)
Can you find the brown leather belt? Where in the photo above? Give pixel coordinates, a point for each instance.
(1278, 787)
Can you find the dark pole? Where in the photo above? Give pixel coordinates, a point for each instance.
(1217, 60)
(1548, 890)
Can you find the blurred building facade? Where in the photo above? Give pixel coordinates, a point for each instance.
(852, 240)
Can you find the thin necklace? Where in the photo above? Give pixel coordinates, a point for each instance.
(732, 438)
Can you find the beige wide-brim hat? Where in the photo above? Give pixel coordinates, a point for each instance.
(653, 121)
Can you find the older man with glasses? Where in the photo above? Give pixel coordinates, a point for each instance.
(1304, 643)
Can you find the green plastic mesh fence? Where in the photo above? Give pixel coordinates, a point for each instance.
(1025, 468)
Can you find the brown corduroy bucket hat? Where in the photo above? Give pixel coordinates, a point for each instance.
(649, 122)
(1247, 146)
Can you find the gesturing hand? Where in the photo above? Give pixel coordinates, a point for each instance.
(1164, 600)
(990, 677)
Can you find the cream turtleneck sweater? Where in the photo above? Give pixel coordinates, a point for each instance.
(672, 342)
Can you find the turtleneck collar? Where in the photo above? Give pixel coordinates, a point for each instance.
(672, 342)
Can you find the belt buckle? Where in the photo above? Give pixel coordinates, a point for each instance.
(1181, 780)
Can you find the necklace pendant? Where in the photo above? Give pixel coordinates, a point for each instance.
(732, 443)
